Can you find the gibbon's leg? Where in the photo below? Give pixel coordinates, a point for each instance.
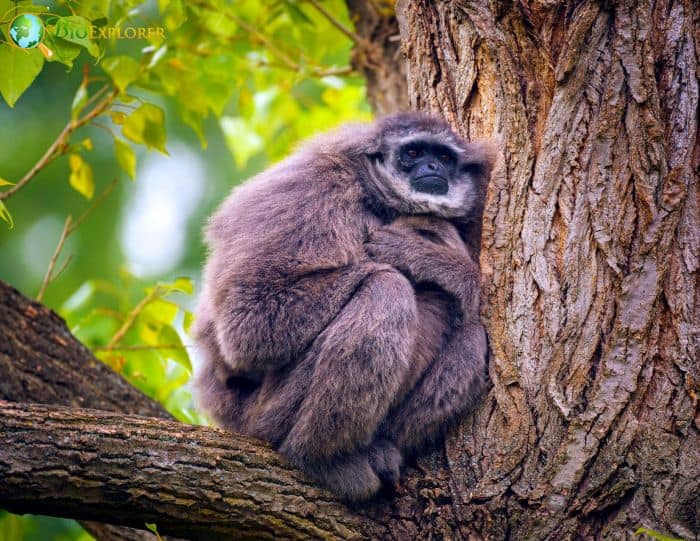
(452, 384)
(215, 394)
(360, 361)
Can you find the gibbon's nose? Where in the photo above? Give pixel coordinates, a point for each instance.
(429, 168)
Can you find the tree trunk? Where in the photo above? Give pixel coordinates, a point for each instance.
(590, 254)
(378, 55)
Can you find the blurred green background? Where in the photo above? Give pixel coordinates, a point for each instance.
(239, 84)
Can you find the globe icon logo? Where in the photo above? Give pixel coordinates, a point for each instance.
(26, 31)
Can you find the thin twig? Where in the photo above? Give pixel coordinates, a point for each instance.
(54, 258)
(284, 57)
(95, 203)
(359, 40)
(68, 229)
(105, 128)
(62, 268)
(131, 318)
(316, 72)
(60, 146)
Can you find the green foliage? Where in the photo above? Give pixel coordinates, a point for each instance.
(118, 78)
(146, 126)
(138, 338)
(18, 69)
(34, 528)
(81, 176)
(125, 157)
(152, 527)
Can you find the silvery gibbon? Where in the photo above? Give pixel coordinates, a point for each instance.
(339, 314)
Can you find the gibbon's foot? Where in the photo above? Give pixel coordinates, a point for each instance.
(386, 461)
(351, 477)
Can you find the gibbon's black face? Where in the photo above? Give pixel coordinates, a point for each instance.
(428, 166)
(417, 165)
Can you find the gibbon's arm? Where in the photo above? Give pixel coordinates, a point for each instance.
(432, 261)
(285, 260)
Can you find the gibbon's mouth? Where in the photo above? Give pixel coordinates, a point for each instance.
(431, 184)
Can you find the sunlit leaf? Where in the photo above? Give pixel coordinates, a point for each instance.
(169, 337)
(146, 126)
(64, 51)
(4, 182)
(18, 68)
(123, 70)
(5, 215)
(78, 30)
(92, 9)
(182, 284)
(297, 15)
(79, 102)
(152, 526)
(81, 177)
(160, 311)
(242, 140)
(126, 158)
(188, 320)
(655, 535)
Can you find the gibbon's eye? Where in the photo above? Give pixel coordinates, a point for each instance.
(413, 152)
(445, 158)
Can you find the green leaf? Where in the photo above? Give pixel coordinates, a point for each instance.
(656, 535)
(125, 157)
(92, 9)
(146, 126)
(182, 284)
(297, 15)
(5, 215)
(78, 30)
(18, 69)
(241, 139)
(79, 102)
(81, 177)
(152, 526)
(160, 311)
(123, 70)
(217, 23)
(169, 337)
(63, 51)
(187, 321)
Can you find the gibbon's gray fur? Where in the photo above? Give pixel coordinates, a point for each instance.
(339, 313)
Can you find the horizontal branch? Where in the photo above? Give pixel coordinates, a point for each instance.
(41, 362)
(193, 482)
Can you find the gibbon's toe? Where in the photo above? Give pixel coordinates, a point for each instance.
(386, 461)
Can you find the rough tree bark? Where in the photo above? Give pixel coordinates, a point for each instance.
(591, 256)
(591, 270)
(377, 55)
(194, 482)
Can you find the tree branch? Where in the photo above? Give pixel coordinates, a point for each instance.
(193, 482)
(60, 145)
(40, 361)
